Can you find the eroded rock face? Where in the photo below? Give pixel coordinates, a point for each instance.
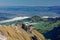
(12, 32)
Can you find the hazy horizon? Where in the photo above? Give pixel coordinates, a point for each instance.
(13, 8)
(29, 2)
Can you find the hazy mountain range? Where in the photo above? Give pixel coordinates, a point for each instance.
(14, 11)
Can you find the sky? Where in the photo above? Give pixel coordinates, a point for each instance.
(29, 2)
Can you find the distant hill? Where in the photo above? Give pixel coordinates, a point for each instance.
(38, 19)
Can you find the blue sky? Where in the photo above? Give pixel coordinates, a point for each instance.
(29, 2)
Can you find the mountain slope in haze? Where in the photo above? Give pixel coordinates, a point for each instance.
(14, 11)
